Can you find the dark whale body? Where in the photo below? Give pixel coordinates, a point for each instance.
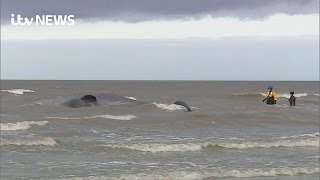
(181, 103)
(107, 99)
(89, 98)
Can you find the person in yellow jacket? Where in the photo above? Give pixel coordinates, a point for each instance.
(271, 97)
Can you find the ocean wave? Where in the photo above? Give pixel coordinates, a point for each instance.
(169, 107)
(317, 134)
(132, 98)
(284, 95)
(296, 95)
(48, 141)
(312, 142)
(212, 173)
(124, 117)
(8, 116)
(225, 173)
(49, 102)
(20, 125)
(157, 147)
(64, 118)
(248, 94)
(154, 148)
(106, 116)
(18, 91)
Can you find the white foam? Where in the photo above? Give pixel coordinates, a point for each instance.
(24, 125)
(65, 118)
(241, 94)
(50, 102)
(223, 173)
(18, 91)
(317, 134)
(106, 116)
(124, 117)
(118, 162)
(296, 95)
(170, 107)
(212, 173)
(312, 142)
(158, 147)
(316, 94)
(132, 98)
(154, 148)
(249, 94)
(7, 115)
(48, 141)
(262, 94)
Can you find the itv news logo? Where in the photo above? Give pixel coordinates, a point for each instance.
(43, 20)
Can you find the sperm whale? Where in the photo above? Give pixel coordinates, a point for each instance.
(104, 99)
(107, 99)
(181, 103)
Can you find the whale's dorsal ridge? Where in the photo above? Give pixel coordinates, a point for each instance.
(181, 103)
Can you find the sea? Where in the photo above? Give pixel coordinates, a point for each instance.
(230, 133)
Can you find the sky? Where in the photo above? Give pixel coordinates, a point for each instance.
(163, 40)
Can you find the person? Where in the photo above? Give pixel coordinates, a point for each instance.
(292, 99)
(271, 97)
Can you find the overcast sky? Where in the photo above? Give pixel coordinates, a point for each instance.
(163, 40)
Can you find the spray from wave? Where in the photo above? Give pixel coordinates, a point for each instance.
(48, 141)
(20, 125)
(18, 91)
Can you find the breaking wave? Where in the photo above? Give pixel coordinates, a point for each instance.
(296, 95)
(20, 125)
(40, 142)
(154, 148)
(157, 147)
(123, 117)
(18, 91)
(132, 98)
(169, 107)
(213, 173)
(317, 134)
(64, 118)
(312, 142)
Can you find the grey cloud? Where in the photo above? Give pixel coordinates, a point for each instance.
(142, 10)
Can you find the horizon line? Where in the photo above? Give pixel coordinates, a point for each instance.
(152, 80)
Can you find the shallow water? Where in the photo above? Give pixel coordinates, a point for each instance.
(229, 134)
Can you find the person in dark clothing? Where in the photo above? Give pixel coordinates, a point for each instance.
(292, 99)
